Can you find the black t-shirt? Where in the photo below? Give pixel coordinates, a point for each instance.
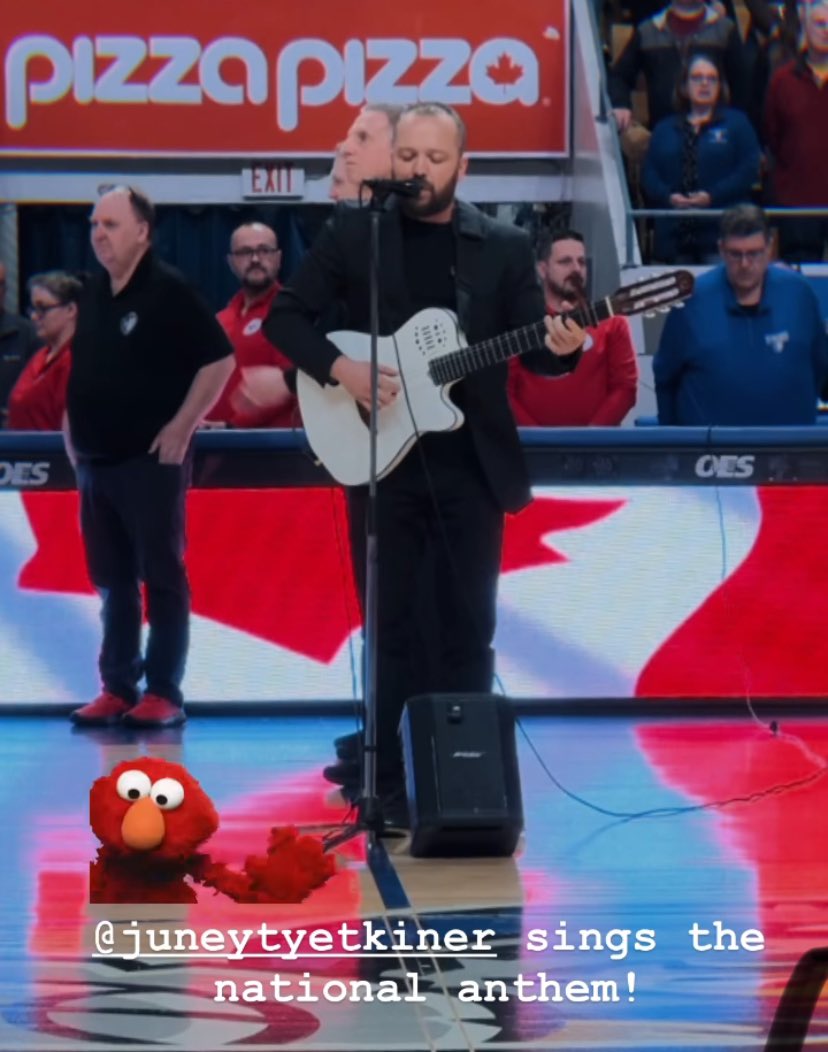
(429, 258)
(134, 357)
(429, 254)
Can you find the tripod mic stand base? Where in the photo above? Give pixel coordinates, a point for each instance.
(372, 817)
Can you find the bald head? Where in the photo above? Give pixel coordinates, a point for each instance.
(254, 258)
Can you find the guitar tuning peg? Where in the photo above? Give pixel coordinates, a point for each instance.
(663, 310)
(649, 314)
(679, 305)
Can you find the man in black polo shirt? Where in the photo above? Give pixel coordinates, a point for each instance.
(149, 360)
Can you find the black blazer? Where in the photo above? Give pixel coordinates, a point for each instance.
(497, 290)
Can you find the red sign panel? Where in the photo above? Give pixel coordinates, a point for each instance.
(265, 79)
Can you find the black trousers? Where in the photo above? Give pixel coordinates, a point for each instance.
(440, 535)
(133, 527)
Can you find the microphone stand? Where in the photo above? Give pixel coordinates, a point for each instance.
(369, 809)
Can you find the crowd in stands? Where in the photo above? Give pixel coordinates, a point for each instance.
(724, 120)
(729, 120)
(748, 349)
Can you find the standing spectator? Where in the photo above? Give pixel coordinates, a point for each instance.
(18, 342)
(796, 124)
(749, 349)
(255, 259)
(602, 390)
(38, 399)
(704, 156)
(149, 359)
(658, 47)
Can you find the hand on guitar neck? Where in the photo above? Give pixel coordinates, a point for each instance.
(433, 354)
(355, 377)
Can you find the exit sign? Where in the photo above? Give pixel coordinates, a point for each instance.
(273, 180)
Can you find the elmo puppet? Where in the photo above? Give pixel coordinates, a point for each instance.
(151, 817)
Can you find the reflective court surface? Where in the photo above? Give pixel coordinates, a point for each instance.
(633, 915)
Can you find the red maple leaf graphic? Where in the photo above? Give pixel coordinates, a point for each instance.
(275, 563)
(504, 71)
(523, 540)
(762, 631)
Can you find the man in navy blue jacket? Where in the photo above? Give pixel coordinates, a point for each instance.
(750, 348)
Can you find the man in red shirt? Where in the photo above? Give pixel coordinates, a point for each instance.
(602, 390)
(255, 259)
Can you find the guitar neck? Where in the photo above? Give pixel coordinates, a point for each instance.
(460, 363)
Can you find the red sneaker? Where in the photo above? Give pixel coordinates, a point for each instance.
(106, 710)
(154, 711)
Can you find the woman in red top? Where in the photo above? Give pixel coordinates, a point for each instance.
(38, 399)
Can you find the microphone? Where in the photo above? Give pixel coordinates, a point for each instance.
(401, 187)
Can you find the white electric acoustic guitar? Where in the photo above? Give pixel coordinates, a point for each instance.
(430, 353)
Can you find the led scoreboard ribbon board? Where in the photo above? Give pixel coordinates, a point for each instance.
(653, 563)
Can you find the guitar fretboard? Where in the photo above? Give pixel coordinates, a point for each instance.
(459, 363)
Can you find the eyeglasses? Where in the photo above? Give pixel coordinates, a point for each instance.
(753, 255)
(39, 310)
(249, 253)
(704, 78)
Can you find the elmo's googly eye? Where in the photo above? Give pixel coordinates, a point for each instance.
(168, 793)
(132, 785)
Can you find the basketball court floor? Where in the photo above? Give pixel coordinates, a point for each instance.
(672, 872)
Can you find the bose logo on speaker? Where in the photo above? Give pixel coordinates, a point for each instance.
(459, 755)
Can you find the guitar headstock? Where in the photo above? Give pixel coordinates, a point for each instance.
(659, 292)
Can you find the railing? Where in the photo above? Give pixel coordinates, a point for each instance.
(703, 213)
(650, 456)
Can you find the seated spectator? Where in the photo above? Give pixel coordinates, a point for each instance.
(749, 349)
(38, 399)
(657, 49)
(602, 389)
(796, 125)
(255, 259)
(704, 156)
(18, 342)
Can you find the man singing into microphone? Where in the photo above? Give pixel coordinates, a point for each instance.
(435, 251)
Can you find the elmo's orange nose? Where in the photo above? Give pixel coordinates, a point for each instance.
(143, 825)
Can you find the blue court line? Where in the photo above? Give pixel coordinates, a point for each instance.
(386, 879)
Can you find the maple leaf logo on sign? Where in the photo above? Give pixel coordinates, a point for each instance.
(505, 71)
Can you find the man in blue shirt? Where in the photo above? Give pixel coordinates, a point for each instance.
(750, 347)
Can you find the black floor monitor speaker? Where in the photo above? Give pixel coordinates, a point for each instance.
(462, 776)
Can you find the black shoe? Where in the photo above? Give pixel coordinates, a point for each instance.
(349, 746)
(394, 808)
(342, 773)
